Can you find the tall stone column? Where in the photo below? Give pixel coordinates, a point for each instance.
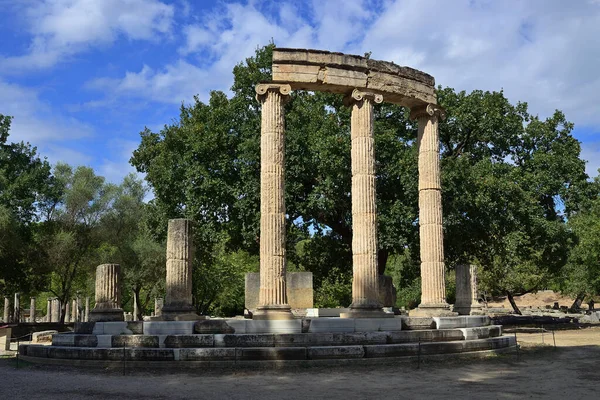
(17, 310)
(272, 298)
(365, 279)
(6, 316)
(32, 310)
(67, 312)
(86, 316)
(433, 285)
(134, 317)
(180, 256)
(108, 294)
(74, 310)
(55, 310)
(467, 302)
(49, 310)
(79, 317)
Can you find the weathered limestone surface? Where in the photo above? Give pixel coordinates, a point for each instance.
(55, 310)
(466, 290)
(299, 287)
(365, 280)
(180, 255)
(339, 73)
(49, 310)
(87, 310)
(74, 310)
(273, 303)
(387, 291)
(433, 285)
(6, 316)
(17, 308)
(108, 294)
(67, 313)
(158, 305)
(32, 310)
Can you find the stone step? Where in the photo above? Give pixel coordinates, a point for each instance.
(233, 354)
(274, 340)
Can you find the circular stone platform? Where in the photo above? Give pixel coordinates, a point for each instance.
(103, 343)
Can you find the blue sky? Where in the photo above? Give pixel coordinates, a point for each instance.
(83, 77)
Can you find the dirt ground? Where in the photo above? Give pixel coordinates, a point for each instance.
(572, 370)
(539, 299)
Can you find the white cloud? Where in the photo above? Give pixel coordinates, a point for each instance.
(62, 28)
(116, 168)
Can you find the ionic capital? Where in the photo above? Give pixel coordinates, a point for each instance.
(358, 95)
(262, 89)
(427, 110)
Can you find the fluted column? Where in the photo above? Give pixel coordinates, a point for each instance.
(74, 310)
(86, 316)
(433, 284)
(272, 301)
(108, 294)
(6, 316)
(365, 279)
(32, 310)
(55, 310)
(467, 302)
(49, 310)
(67, 312)
(17, 308)
(180, 256)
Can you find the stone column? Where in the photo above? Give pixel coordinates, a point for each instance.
(55, 310)
(32, 310)
(67, 312)
(49, 310)
(180, 256)
(17, 308)
(365, 279)
(272, 298)
(86, 316)
(467, 302)
(135, 309)
(158, 305)
(73, 310)
(79, 316)
(6, 316)
(108, 294)
(433, 285)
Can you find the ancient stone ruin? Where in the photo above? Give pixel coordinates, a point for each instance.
(364, 330)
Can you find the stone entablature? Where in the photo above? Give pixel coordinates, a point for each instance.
(340, 73)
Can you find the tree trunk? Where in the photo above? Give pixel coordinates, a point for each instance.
(511, 299)
(382, 257)
(578, 301)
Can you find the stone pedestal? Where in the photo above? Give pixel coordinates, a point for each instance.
(17, 308)
(108, 295)
(433, 284)
(365, 280)
(180, 256)
(466, 291)
(32, 310)
(6, 315)
(273, 303)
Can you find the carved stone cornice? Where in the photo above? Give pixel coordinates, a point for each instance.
(427, 110)
(358, 95)
(262, 89)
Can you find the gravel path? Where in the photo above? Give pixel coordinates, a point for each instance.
(569, 372)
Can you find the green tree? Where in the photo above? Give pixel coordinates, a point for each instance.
(25, 182)
(69, 237)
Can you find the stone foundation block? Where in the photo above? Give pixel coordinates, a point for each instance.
(271, 353)
(212, 354)
(169, 327)
(135, 341)
(335, 352)
(189, 341)
(469, 321)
